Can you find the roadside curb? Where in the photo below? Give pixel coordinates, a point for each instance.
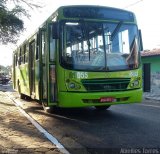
(151, 96)
(51, 138)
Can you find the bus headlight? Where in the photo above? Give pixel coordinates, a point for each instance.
(72, 85)
(135, 83)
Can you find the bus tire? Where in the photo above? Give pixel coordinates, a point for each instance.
(22, 96)
(102, 108)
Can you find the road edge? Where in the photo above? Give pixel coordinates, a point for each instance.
(50, 137)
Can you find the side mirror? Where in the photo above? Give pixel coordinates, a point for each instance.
(140, 41)
(55, 30)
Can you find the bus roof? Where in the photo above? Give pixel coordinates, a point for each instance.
(95, 12)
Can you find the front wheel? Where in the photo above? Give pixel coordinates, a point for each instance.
(102, 107)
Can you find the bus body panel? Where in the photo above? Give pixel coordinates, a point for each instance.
(22, 79)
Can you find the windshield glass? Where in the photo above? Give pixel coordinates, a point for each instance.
(99, 46)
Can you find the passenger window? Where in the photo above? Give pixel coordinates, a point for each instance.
(43, 43)
(24, 50)
(52, 46)
(20, 56)
(37, 47)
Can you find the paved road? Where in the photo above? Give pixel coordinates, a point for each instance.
(128, 127)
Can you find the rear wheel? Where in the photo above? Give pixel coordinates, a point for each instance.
(102, 107)
(22, 96)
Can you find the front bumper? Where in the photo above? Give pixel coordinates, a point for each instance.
(79, 99)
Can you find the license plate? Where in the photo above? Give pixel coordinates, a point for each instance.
(107, 99)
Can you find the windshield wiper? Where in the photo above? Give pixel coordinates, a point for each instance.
(116, 30)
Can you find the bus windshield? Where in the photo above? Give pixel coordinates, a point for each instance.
(97, 46)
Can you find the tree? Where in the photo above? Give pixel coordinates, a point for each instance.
(11, 23)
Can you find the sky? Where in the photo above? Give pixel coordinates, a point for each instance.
(146, 11)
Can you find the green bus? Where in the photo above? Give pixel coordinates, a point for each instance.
(81, 56)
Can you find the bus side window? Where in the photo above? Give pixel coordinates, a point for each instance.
(43, 43)
(52, 45)
(37, 47)
(27, 52)
(24, 51)
(20, 56)
(16, 59)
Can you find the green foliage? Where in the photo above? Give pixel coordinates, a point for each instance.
(11, 24)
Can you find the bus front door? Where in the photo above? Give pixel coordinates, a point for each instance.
(32, 68)
(43, 83)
